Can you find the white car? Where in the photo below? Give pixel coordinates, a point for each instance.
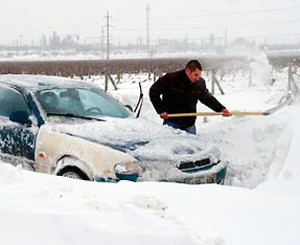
(71, 128)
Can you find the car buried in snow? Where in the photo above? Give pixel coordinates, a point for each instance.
(74, 129)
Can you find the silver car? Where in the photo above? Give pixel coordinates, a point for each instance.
(71, 128)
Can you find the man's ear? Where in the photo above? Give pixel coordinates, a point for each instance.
(187, 70)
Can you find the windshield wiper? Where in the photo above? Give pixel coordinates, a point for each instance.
(74, 115)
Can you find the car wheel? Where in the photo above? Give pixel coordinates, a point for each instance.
(73, 173)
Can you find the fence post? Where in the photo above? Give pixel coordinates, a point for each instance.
(218, 83)
(106, 80)
(119, 76)
(250, 79)
(212, 82)
(154, 77)
(112, 81)
(290, 77)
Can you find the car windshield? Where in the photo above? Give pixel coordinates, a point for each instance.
(80, 101)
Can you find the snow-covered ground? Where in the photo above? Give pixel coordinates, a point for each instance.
(54, 55)
(258, 205)
(73, 54)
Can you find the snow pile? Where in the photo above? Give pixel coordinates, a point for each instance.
(55, 210)
(261, 69)
(252, 146)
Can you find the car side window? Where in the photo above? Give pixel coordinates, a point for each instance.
(12, 100)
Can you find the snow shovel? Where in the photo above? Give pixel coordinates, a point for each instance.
(233, 113)
(288, 99)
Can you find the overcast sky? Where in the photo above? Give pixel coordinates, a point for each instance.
(28, 20)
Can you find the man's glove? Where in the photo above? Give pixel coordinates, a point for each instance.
(226, 113)
(164, 115)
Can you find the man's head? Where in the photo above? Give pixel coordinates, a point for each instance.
(193, 70)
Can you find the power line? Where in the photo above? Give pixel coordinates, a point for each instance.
(214, 26)
(216, 14)
(234, 13)
(82, 24)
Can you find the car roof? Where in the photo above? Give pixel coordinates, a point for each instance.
(40, 82)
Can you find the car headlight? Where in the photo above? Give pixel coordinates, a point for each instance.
(128, 170)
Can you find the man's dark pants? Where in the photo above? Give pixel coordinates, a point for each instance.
(190, 130)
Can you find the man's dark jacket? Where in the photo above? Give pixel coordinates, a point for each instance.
(180, 95)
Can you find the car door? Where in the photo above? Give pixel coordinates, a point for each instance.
(17, 139)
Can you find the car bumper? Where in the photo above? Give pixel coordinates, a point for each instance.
(214, 174)
(217, 178)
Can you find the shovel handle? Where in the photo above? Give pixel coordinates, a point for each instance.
(240, 113)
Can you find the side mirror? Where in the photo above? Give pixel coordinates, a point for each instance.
(21, 117)
(129, 107)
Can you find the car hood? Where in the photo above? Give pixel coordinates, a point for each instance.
(143, 139)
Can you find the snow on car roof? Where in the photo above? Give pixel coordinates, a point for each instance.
(38, 82)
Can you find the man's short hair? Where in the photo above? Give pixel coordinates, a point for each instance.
(193, 65)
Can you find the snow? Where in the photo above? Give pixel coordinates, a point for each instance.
(258, 205)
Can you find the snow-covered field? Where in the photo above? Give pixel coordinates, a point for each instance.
(73, 54)
(258, 205)
(55, 55)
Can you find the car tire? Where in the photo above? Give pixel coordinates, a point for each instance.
(73, 173)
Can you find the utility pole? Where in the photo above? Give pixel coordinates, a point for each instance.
(20, 43)
(225, 40)
(107, 33)
(148, 35)
(102, 42)
(15, 42)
